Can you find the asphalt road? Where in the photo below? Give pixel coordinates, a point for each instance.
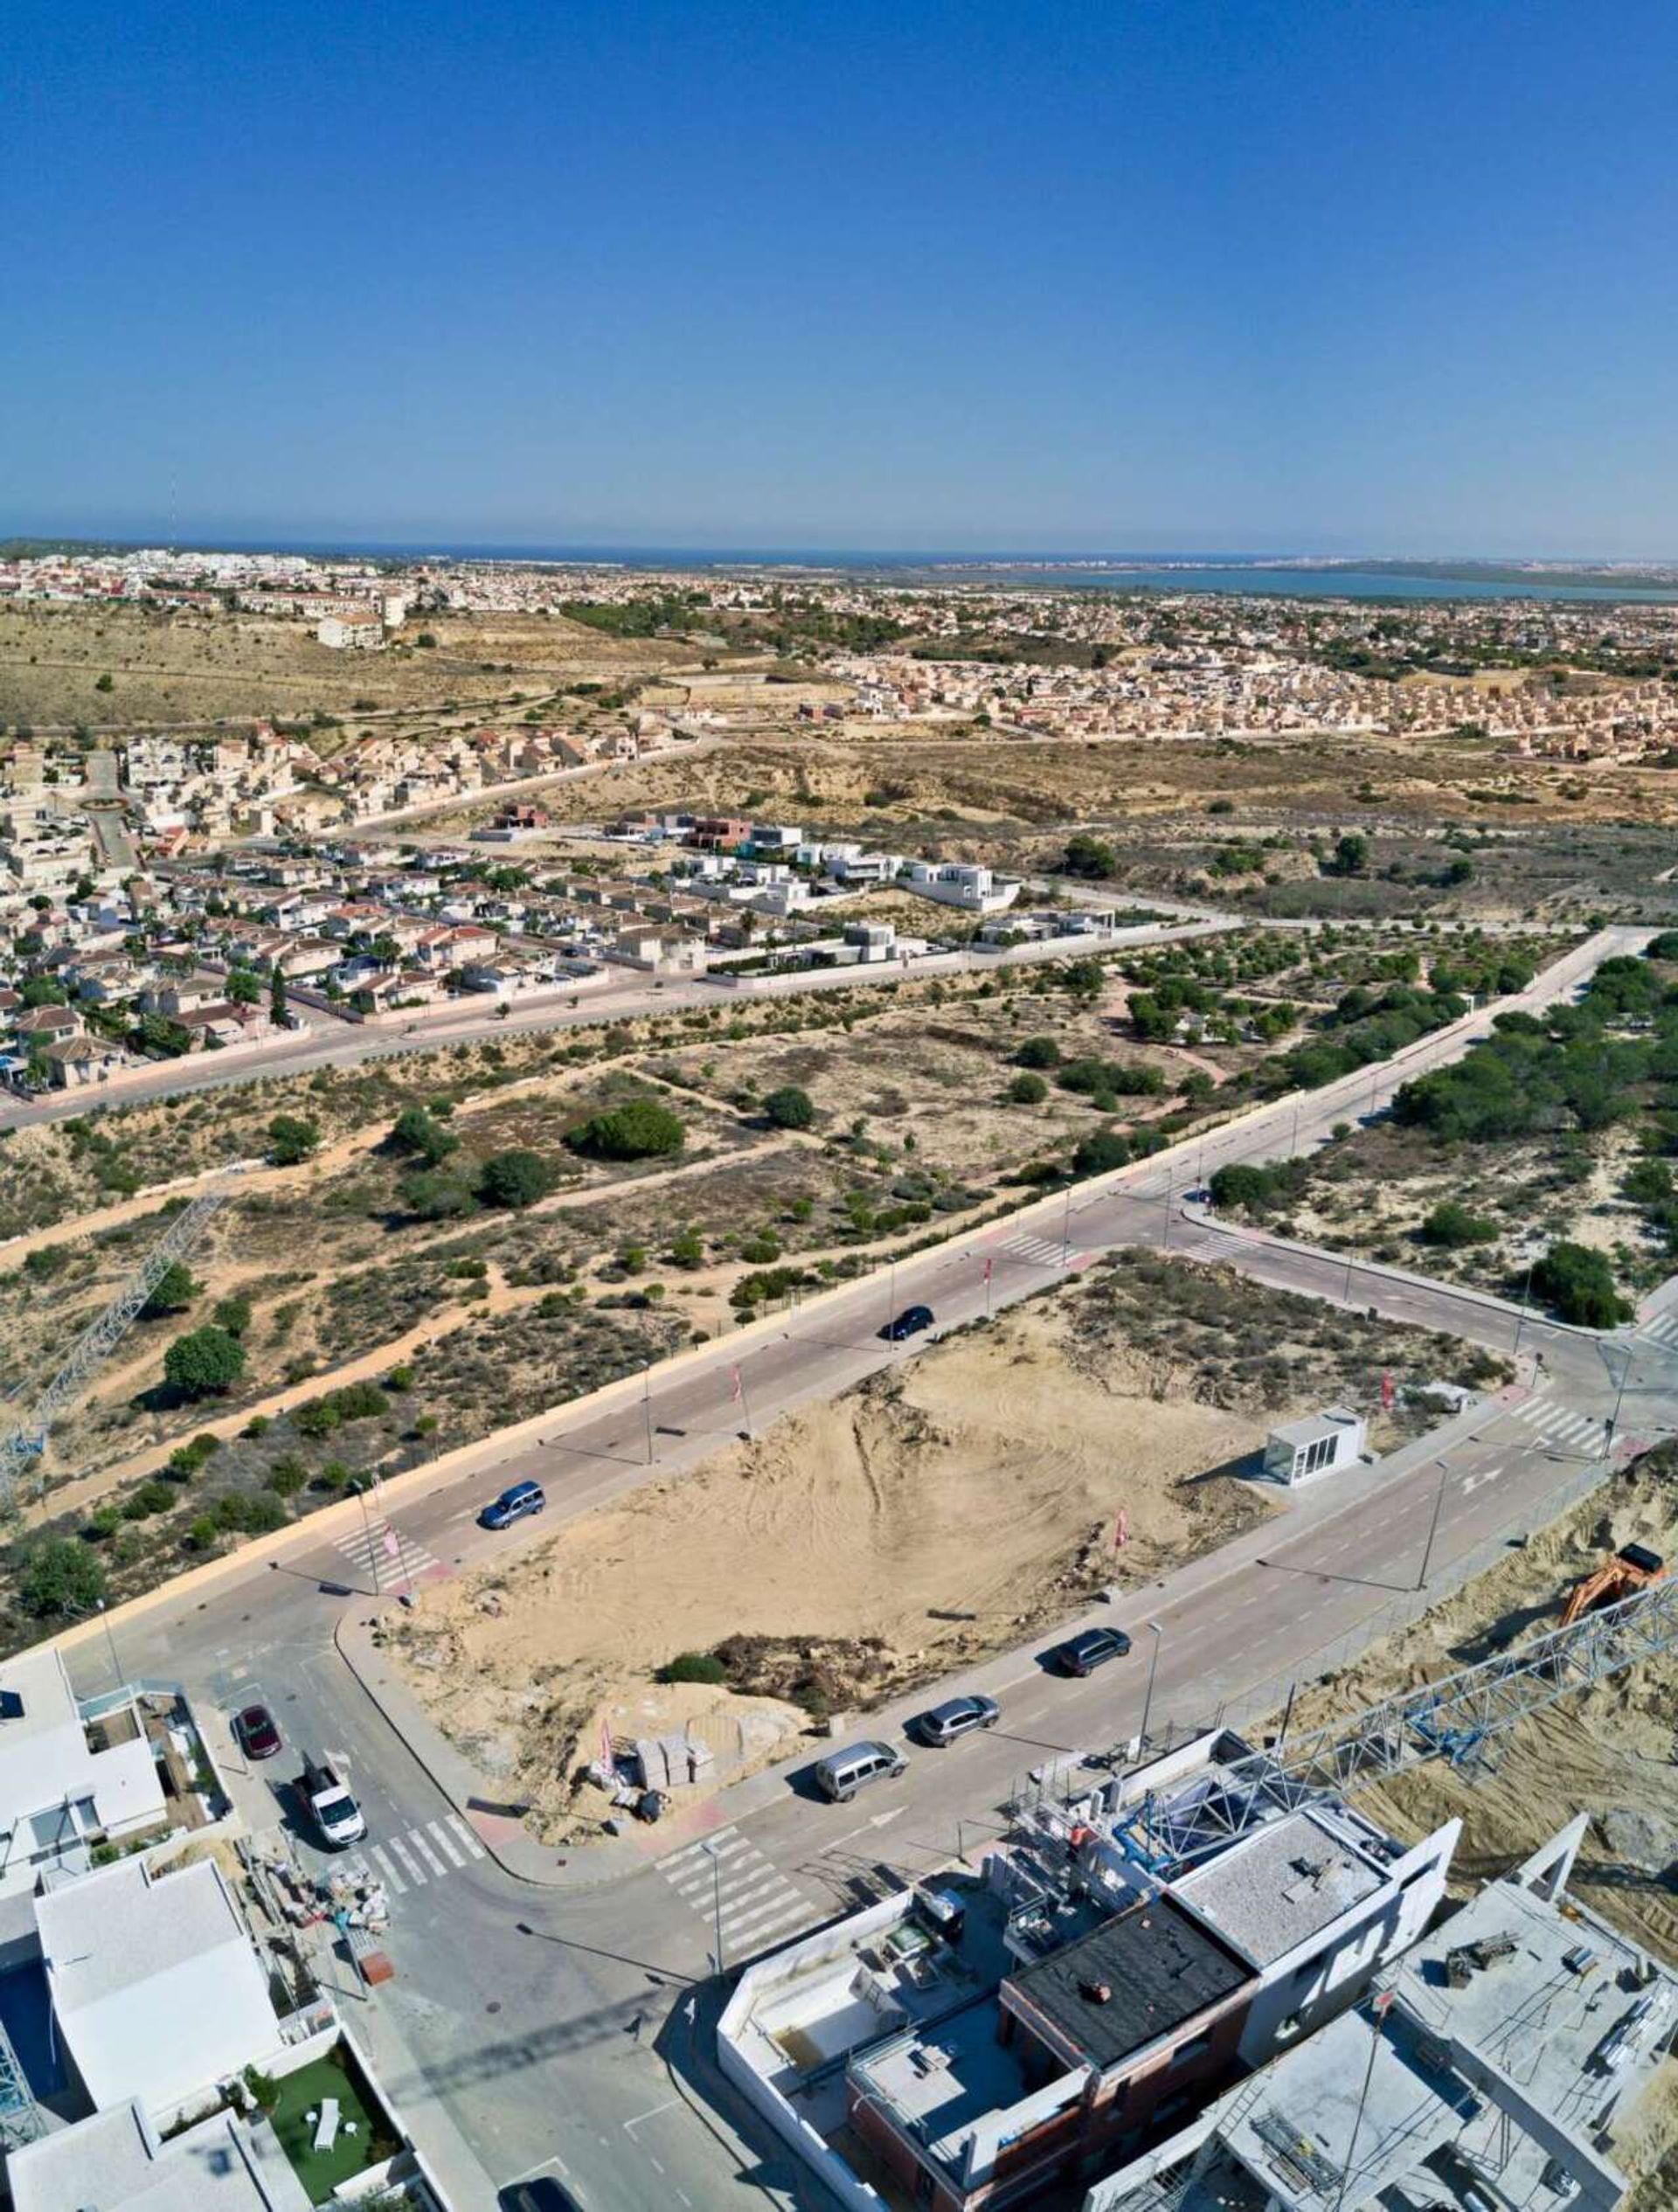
(554, 2025)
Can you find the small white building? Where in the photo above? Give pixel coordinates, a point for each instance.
(963, 884)
(156, 1990)
(359, 632)
(66, 1783)
(1318, 1445)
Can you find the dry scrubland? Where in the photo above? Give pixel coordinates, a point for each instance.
(941, 1511)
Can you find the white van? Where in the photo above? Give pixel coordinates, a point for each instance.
(847, 1771)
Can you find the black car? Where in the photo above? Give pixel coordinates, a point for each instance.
(1083, 1654)
(910, 1322)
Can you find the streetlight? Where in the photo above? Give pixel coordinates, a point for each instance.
(1433, 1526)
(117, 1664)
(712, 1853)
(367, 1530)
(1156, 1631)
(1619, 1397)
(1521, 1318)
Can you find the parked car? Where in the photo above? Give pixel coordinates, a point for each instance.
(910, 1322)
(1083, 1654)
(256, 1733)
(512, 1505)
(339, 1819)
(842, 1773)
(957, 1716)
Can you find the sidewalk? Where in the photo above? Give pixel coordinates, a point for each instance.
(453, 2163)
(589, 1866)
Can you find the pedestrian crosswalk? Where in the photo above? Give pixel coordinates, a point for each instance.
(730, 1884)
(1042, 1252)
(1663, 1328)
(422, 1854)
(1560, 1428)
(385, 1556)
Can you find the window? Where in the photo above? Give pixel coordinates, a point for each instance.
(1196, 2047)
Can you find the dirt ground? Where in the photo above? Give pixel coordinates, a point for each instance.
(858, 1548)
(1613, 1748)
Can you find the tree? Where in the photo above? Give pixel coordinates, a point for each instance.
(1578, 1284)
(1100, 1154)
(1091, 856)
(1039, 1052)
(415, 1133)
(173, 1289)
(434, 1195)
(204, 1362)
(243, 987)
(640, 1129)
(1028, 1090)
(58, 1575)
(106, 682)
(232, 1314)
(1450, 1225)
(279, 1009)
(516, 1179)
(789, 1108)
(1351, 854)
(42, 990)
(292, 1140)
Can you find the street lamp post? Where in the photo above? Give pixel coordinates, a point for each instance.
(1156, 1631)
(367, 1530)
(1433, 1526)
(1620, 1399)
(1521, 1318)
(117, 1664)
(716, 1901)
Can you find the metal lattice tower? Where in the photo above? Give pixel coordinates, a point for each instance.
(20, 2116)
(28, 1440)
(1454, 1718)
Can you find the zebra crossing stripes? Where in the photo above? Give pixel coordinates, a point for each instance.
(727, 1879)
(1043, 1252)
(1560, 1427)
(1663, 1328)
(422, 1854)
(383, 1553)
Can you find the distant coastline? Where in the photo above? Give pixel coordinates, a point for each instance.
(1259, 575)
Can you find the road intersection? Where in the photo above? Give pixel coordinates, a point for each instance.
(551, 2013)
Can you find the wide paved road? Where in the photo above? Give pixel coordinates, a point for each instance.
(555, 2026)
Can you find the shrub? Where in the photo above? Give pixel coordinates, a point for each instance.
(516, 1179)
(232, 1314)
(693, 1666)
(399, 1378)
(257, 1426)
(1100, 1154)
(57, 1575)
(789, 1108)
(202, 1533)
(1039, 1052)
(292, 1140)
(150, 1498)
(173, 1289)
(416, 1134)
(359, 1402)
(317, 1418)
(287, 1476)
(1578, 1284)
(435, 1196)
(204, 1362)
(640, 1129)
(1450, 1226)
(1087, 855)
(1028, 1090)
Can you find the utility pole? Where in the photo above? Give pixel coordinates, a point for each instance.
(716, 1903)
(117, 1664)
(367, 1530)
(1433, 1526)
(1157, 1633)
(1168, 1205)
(646, 1407)
(1521, 1318)
(1066, 1229)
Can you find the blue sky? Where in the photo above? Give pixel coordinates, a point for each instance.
(1355, 275)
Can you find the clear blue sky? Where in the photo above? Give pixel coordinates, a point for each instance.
(1334, 275)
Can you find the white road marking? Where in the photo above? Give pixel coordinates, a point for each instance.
(652, 2114)
(416, 1873)
(387, 1870)
(425, 1851)
(474, 1847)
(450, 1847)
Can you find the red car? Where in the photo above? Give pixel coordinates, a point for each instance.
(255, 1730)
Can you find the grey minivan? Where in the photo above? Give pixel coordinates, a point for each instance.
(841, 1774)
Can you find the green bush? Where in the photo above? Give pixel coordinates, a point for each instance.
(292, 1140)
(515, 1179)
(174, 1288)
(57, 1576)
(205, 1362)
(202, 1532)
(287, 1476)
(693, 1666)
(1450, 1226)
(1100, 1154)
(1028, 1090)
(640, 1129)
(789, 1108)
(1578, 1284)
(1038, 1052)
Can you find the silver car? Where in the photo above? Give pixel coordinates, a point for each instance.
(957, 1716)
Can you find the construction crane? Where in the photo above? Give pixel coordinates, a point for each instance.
(27, 1440)
(1455, 1718)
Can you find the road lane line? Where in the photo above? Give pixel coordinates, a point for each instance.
(447, 1842)
(426, 1851)
(387, 1870)
(416, 1873)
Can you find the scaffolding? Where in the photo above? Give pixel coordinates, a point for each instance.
(1457, 1718)
(27, 1441)
(20, 2116)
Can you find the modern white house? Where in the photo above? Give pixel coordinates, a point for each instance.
(117, 2161)
(157, 1989)
(963, 884)
(68, 1782)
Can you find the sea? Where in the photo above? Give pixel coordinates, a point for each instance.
(1255, 575)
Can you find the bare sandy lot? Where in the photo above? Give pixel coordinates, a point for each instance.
(859, 1547)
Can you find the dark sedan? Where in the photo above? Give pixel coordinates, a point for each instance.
(910, 1322)
(255, 1732)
